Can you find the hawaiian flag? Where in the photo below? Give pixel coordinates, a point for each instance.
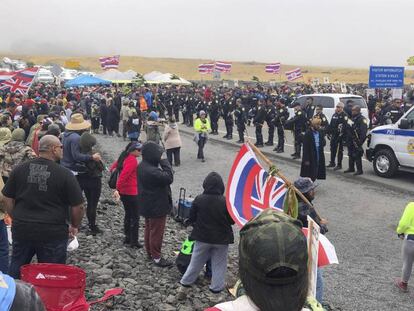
(111, 62)
(294, 74)
(250, 190)
(19, 82)
(206, 68)
(222, 67)
(273, 68)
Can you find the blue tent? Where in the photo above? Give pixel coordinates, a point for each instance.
(86, 80)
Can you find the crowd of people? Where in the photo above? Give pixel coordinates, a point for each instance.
(48, 162)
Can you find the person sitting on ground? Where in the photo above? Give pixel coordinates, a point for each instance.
(273, 266)
(172, 141)
(41, 196)
(14, 152)
(213, 234)
(18, 295)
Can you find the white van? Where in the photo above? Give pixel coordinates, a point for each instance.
(329, 101)
(391, 146)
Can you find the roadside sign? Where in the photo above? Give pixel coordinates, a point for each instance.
(397, 93)
(72, 64)
(381, 77)
(313, 249)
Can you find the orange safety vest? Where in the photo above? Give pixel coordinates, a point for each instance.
(143, 104)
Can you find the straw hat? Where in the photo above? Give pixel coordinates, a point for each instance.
(77, 123)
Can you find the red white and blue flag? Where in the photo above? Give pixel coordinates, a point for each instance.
(273, 68)
(206, 68)
(294, 74)
(111, 62)
(250, 190)
(18, 81)
(222, 67)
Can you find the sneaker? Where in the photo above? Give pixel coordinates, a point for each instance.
(203, 160)
(331, 164)
(337, 168)
(95, 230)
(163, 263)
(358, 173)
(269, 143)
(137, 245)
(240, 142)
(349, 171)
(182, 292)
(279, 151)
(402, 286)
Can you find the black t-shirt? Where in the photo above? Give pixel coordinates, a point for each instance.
(43, 192)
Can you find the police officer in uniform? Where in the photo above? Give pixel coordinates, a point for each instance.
(298, 125)
(392, 113)
(309, 109)
(324, 120)
(270, 116)
(357, 133)
(281, 115)
(214, 115)
(240, 117)
(258, 122)
(336, 131)
(228, 117)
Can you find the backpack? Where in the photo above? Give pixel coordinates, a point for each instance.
(184, 256)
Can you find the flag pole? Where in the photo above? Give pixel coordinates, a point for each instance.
(281, 176)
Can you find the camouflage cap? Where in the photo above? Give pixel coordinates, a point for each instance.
(273, 242)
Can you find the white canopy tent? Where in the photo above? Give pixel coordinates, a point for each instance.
(117, 76)
(156, 77)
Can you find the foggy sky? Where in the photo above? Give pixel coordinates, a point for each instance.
(354, 33)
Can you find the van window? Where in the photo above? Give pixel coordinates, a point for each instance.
(356, 101)
(301, 100)
(326, 102)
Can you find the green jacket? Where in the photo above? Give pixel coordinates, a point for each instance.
(406, 224)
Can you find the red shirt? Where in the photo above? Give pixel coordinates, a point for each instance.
(127, 182)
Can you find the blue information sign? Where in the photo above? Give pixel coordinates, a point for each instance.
(381, 77)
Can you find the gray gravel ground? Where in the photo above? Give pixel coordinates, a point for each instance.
(362, 218)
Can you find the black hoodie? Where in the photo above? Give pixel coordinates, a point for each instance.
(154, 179)
(209, 216)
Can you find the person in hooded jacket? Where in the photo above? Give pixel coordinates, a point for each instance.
(154, 198)
(172, 141)
(14, 152)
(76, 161)
(212, 232)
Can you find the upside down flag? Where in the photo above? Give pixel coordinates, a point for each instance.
(18, 81)
(250, 190)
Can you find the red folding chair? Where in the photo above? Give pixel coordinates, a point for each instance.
(61, 287)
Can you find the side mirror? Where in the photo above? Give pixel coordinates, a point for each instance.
(404, 124)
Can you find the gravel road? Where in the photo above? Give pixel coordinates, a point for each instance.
(362, 218)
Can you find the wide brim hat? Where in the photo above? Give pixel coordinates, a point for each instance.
(77, 123)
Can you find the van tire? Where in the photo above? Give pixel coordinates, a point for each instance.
(385, 163)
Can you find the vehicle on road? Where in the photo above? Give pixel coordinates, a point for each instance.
(391, 147)
(45, 76)
(329, 100)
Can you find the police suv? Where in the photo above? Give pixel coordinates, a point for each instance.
(391, 146)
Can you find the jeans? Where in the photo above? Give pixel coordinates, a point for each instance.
(176, 153)
(201, 143)
(46, 252)
(201, 253)
(92, 187)
(408, 259)
(4, 248)
(154, 234)
(319, 286)
(131, 220)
